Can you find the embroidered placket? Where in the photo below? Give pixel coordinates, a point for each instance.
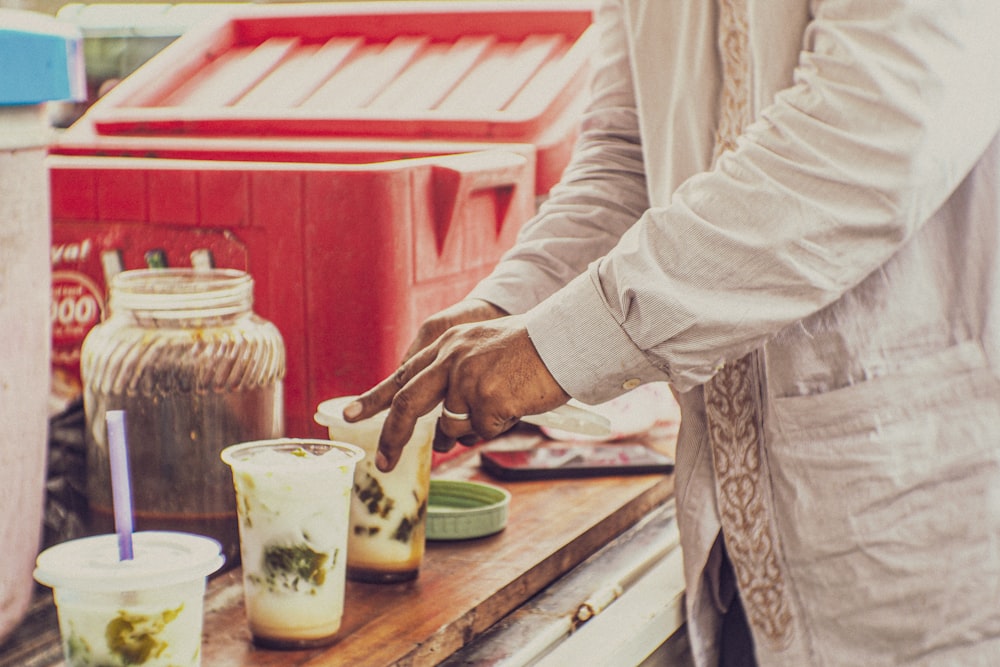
(732, 399)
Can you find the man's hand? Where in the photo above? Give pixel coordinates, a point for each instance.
(463, 312)
(488, 374)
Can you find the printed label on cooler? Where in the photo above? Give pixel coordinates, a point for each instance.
(86, 256)
(78, 304)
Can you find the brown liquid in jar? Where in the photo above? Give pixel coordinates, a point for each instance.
(192, 379)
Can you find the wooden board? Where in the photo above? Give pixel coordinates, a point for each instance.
(463, 588)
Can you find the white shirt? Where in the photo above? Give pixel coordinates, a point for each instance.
(851, 237)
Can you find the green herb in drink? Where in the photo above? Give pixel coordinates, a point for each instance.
(134, 637)
(78, 653)
(370, 493)
(404, 530)
(290, 566)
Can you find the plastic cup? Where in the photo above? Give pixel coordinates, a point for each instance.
(388, 510)
(145, 611)
(293, 500)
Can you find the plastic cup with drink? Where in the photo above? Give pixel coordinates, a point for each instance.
(144, 611)
(293, 499)
(129, 599)
(388, 510)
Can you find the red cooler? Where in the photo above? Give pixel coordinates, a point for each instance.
(367, 163)
(497, 72)
(348, 259)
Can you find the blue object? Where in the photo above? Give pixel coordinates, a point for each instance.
(41, 59)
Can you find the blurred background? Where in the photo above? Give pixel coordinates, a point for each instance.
(53, 6)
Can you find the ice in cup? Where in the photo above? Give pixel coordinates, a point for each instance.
(146, 611)
(293, 501)
(388, 510)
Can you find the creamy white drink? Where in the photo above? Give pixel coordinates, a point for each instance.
(293, 499)
(144, 611)
(388, 510)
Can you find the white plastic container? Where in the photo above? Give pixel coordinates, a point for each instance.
(144, 611)
(36, 65)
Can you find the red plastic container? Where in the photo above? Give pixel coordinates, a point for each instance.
(366, 162)
(348, 256)
(457, 71)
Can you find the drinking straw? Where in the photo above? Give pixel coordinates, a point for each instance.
(121, 488)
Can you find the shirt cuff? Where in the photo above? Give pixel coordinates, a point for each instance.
(584, 347)
(514, 285)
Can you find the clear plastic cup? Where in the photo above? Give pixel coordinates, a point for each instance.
(388, 510)
(293, 500)
(145, 611)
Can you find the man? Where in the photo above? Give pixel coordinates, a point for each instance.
(790, 210)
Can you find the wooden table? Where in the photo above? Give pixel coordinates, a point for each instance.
(463, 588)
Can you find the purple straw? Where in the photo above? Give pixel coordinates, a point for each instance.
(121, 488)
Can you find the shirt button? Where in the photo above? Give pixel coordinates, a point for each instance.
(629, 385)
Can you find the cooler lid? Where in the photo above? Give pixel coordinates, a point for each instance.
(455, 70)
(40, 59)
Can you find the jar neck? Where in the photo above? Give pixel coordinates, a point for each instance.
(176, 295)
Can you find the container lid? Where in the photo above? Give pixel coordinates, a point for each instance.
(161, 558)
(456, 70)
(41, 59)
(461, 510)
(331, 412)
(302, 455)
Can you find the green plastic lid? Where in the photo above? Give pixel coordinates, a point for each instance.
(459, 510)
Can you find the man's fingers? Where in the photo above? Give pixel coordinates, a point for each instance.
(381, 396)
(389, 450)
(417, 397)
(443, 442)
(452, 425)
(373, 401)
(491, 426)
(468, 310)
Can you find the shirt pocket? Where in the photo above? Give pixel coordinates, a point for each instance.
(890, 482)
(868, 446)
